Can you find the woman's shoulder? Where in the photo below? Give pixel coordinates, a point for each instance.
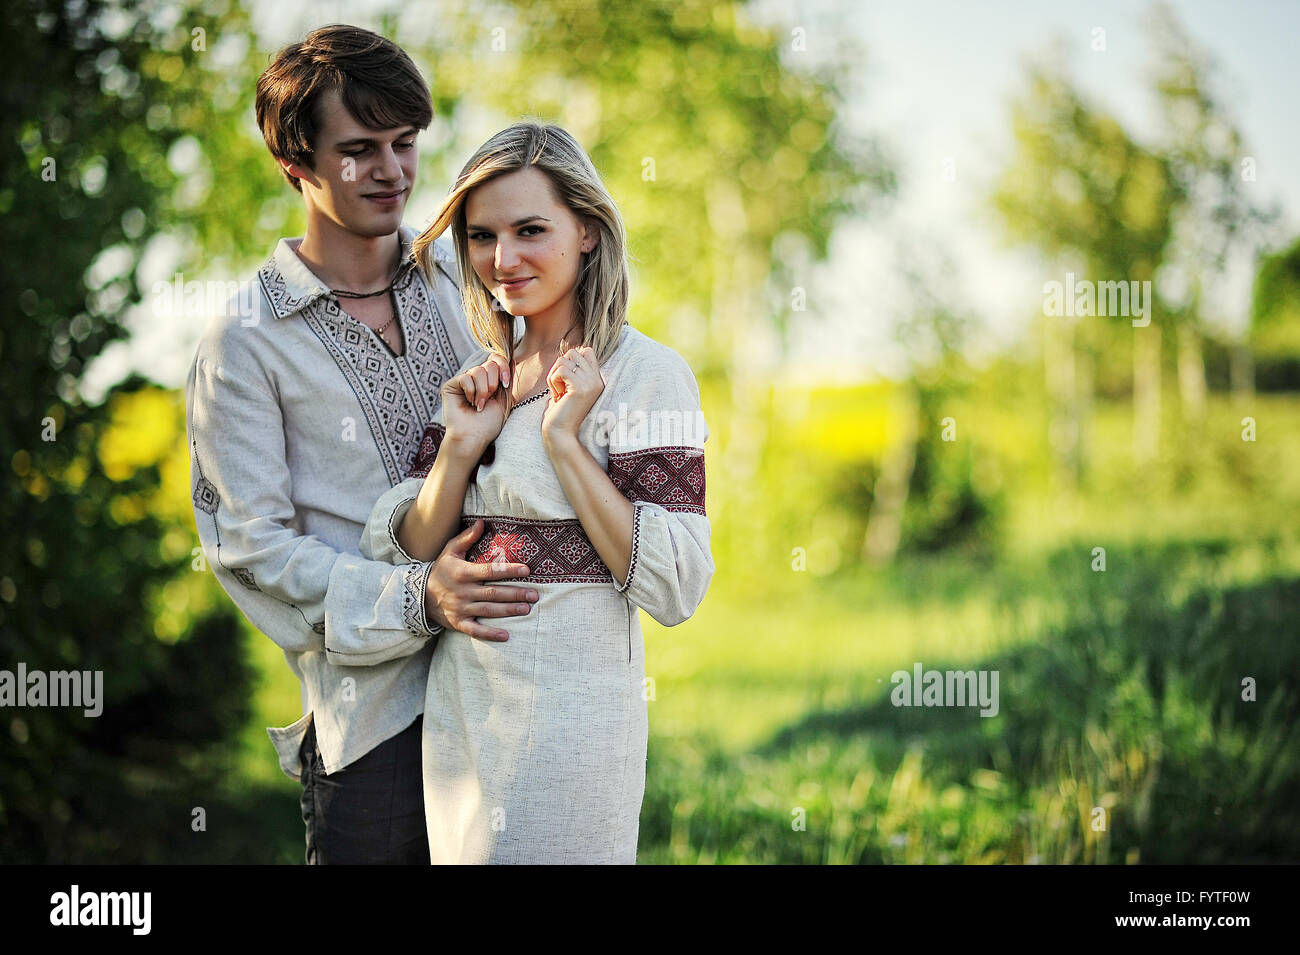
(642, 357)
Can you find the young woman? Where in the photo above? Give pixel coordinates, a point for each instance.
(579, 442)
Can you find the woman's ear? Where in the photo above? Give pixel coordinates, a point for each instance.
(590, 235)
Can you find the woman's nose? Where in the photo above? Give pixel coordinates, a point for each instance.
(507, 257)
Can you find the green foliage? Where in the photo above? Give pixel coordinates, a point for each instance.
(93, 105)
(1275, 321)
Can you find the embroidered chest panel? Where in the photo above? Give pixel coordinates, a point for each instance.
(398, 394)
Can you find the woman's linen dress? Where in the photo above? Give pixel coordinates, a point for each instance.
(535, 748)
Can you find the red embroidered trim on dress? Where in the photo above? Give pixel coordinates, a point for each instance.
(555, 551)
(428, 451)
(429, 445)
(673, 478)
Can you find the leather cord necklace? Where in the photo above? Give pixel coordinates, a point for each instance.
(403, 273)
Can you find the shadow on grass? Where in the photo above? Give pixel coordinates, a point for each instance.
(154, 824)
(1140, 704)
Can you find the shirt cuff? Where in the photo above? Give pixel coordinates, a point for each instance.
(417, 583)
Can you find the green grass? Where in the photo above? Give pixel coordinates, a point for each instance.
(1129, 703)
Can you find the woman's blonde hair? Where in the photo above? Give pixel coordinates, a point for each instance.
(600, 298)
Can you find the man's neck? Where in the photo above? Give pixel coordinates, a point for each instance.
(346, 260)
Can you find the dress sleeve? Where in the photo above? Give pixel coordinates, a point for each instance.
(302, 593)
(656, 460)
(379, 540)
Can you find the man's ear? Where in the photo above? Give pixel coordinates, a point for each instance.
(298, 171)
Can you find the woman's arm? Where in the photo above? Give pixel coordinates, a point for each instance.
(605, 514)
(434, 518)
(474, 408)
(644, 513)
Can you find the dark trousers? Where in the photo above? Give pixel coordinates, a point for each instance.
(371, 812)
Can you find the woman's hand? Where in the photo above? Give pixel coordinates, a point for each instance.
(474, 405)
(575, 383)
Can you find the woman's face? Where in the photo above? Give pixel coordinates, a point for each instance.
(526, 246)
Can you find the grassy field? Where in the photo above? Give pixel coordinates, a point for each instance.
(1122, 734)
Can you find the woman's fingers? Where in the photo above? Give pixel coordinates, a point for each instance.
(502, 364)
(479, 376)
(555, 380)
(465, 385)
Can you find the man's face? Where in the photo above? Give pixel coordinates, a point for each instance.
(363, 176)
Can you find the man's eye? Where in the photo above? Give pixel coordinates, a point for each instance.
(405, 145)
(355, 153)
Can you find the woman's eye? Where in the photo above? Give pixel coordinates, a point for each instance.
(524, 230)
(478, 236)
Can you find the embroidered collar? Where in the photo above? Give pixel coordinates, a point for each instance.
(290, 286)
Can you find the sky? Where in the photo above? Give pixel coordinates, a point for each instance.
(936, 85)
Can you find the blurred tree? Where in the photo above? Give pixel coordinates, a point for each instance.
(946, 505)
(1216, 215)
(924, 498)
(718, 137)
(1090, 198)
(1275, 320)
(103, 110)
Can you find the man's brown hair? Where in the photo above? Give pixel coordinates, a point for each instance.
(377, 81)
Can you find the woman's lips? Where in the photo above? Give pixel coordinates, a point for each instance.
(516, 284)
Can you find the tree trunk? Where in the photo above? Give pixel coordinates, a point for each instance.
(1146, 393)
(889, 497)
(1191, 373)
(1064, 430)
(1242, 372)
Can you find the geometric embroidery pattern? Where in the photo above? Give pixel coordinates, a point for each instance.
(245, 577)
(206, 497)
(555, 551)
(431, 441)
(397, 394)
(414, 581)
(672, 478)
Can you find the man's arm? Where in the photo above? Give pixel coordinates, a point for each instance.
(302, 593)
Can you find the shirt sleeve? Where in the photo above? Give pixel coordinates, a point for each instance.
(656, 461)
(299, 591)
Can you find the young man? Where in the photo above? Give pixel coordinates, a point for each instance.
(305, 407)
